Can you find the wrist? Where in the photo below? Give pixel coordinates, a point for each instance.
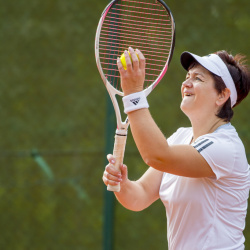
(135, 101)
(132, 91)
(125, 186)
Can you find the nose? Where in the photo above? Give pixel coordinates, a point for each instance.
(187, 83)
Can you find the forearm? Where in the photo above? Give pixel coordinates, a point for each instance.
(133, 196)
(149, 139)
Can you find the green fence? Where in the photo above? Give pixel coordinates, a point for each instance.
(53, 109)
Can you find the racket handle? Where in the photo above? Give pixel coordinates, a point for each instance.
(118, 152)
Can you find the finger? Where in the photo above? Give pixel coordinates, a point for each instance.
(108, 176)
(120, 67)
(124, 172)
(109, 182)
(111, 158)
(110, 169)
(128, 60)
(142, 60)
(135, 60)
(124, 169)
(105, 180)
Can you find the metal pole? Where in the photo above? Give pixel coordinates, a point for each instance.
(109, 200)
(108, 229)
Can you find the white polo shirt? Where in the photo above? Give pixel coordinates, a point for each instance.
(208, 213)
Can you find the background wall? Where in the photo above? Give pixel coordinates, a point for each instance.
(52, 110)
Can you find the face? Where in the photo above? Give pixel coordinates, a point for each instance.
(198, 93)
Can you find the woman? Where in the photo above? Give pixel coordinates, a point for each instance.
(200, 173)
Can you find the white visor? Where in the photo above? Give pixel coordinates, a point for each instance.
(214, 64)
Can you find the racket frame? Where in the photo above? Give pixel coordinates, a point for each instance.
(122, 126)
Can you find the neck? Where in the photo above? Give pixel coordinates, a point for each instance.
(205, 126)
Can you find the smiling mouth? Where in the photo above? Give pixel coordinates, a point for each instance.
(186, 94)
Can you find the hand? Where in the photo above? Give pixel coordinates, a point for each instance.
(132, 79)
(113, 177)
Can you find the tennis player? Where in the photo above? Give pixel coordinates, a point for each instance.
(200, 173)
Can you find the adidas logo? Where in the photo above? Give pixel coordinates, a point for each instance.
(135, 101)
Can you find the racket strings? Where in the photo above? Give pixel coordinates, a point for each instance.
(139, 33)
(144, 25)
(151, 40)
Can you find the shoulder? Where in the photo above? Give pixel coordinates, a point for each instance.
(223, 150)
(225, 139)
(180, 136)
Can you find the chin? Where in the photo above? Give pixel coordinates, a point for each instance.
(183, 105)
(185, 108)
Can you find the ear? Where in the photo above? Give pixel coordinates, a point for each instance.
(223, 97)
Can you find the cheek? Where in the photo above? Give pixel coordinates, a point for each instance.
(207, 96)
(182, 88)
(201, 90)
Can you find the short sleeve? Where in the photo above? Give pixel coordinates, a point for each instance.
(219, 154)
(180, 136)
(170, 139)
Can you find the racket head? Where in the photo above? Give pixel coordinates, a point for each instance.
(146, 25)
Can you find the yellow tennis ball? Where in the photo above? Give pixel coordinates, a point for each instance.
(123, 60)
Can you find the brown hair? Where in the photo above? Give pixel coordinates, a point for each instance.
(240, 73)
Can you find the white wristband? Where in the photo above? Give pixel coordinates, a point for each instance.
(135, 101)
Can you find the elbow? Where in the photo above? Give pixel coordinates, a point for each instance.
(157, 159)
(136, 207)
(156, 162)
(148, 158)
(148, 161)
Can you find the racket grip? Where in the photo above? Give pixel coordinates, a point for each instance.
(118, 152)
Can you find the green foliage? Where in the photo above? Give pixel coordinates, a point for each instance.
(52, 99)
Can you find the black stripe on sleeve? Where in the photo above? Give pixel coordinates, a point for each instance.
(200, 143)
(205, 146)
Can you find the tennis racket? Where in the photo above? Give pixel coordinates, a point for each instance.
(147, 25)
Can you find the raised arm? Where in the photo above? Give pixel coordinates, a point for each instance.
(181, 160)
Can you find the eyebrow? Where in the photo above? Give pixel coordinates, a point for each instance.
(196, 73)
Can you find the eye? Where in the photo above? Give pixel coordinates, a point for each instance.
(198, 79)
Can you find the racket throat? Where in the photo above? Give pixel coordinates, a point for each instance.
(121, 132)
